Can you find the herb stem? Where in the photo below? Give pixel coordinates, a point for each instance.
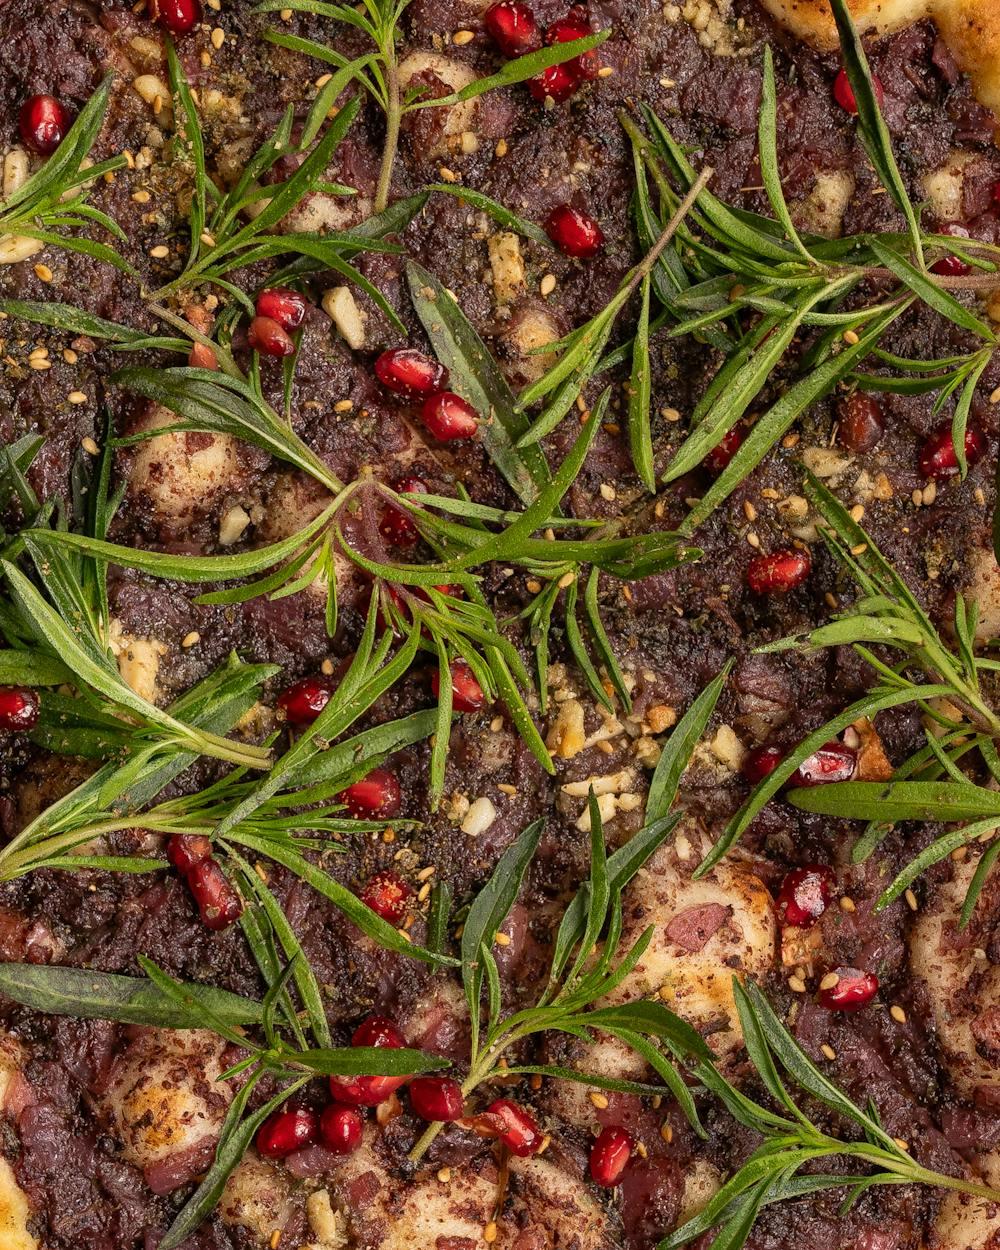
(393, 117)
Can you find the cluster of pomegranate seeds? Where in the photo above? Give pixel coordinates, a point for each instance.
(437, 1098)
(513, 28)
(861, 422)
(387, 895)
(779, 572)
(369, 1091)
(512, 1125)
(397, 526)
(574, 232)
(218, 903)
(407, 372)
(269, 337)
(761, 762)
(852, 990)
(377, 797)
(466, 693)
(843, 93)
(303, 701)
(285, 1132)
(805, 895)
(283, 305)
(341, 1128)
(43, 123)
(448, 417)
(721, 454)
(610, 1154)
(176, 16)
(937, 456)
(834, 761)
(952, 266)
(19, 709)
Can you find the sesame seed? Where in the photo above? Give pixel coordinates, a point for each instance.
(77, 397)
(207, 239)
(831, 600)
(917, 496)
(446, 174)
(326, 668)
(389, 835)
(141, 197)
(160, 251)
(533, 585)
(995, 397)
(404, 935)
(911, 900)
(670, 414)
(157, 105)
(641, 1151)
(502, 148)
(275, 1241)
(39, 363)
(490, 1232)
(667, 83)
(753, 539)
(205, 58)
(599, 1100)
(567, 580)
(828, 1051)
(608, 491)
(424, 892)
(959, 853)
(90, 447)
(496, 724)
(666, 1132)
(930, 494)
(859, 549)
(190, 639)
(857, 512)
(902, 1143)
(829, 981)
(898, 1014)
(749, 511)
(461, 37)
(286, 16)
(847, 904)
(503, 939)
(70, 356)
(790, 440)
(796, 985)
(605, 71)
(43, 273)
(851, 337)
(218, 38)
(504, 786)
(979, 497)
(547, 284)
(444, 1175)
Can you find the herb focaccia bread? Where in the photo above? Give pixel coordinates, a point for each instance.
(498, 708)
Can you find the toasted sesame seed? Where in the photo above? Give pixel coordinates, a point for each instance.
(859, 549)
(847, 904)
(502, 148)
(190, 639)
(930, 493)
(461, 37)
(670, 414)
(503, 939)
(343, 405)
(979, 497)
(902, 1143)
(851, 337)
(39, 363)
(504, 786)
(326, 668)
(533, 585)
(995, 397)
(207, 239)
(77, 397)
(857, 512)
(829, 981)
(753, 539)
(666, 1132)
(141, 197)
(749, 511)
(286, 16)
(490, 1232)
(790, 440)
(160, 251)
(424, 892)
(898, 1014)
(599, 1100)
(275, 1241)
(444, 1174)
(205, 58)
(911, 900)
(959, 853)
(828, 1051)
(547, 284)
(389, 835)
(831, 600)
(70, 356)
(667, 83)
(218, 38)
(404, 935)
(567, 580)
(605, 71)
(917, 496)
(446, 174)
(608, 491)
(796, 985)
(43, 273)
(90, 447)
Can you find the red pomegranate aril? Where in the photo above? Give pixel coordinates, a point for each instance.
(514, 1127)
(396, 525)
(574, 233)
(369, 1091)
(513, 28)
(437, 1098)
(575, 25)
(448, 417)
(269, 338)
(387, 894)
(19, 708)
(286, 307)
(202, 357)
(952, 266)
(377, 797)
(218, 903)
(938, 459)
(843, 93)
(285, 1132)
(176, 16)
(833, 762)
(723, 451)
(861, 422)
(853, 991)
(610, 1154)
(341, 1128)
(761, 762)
(43, 123)
(556, 83)
(405, 371)
(779, 572)
(466, 692)
(185, 851)
(805, 895)
(378, 1031)
(303, 702)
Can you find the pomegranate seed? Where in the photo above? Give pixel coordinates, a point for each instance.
(437, 1098)
(218, 903)
(405, 371)
(43, 123)
(574, 232)
(513, 28)
(938, 459)
(185, 851)
(177, 16)
(853, 991)
(377, 797)
(805, 895)
(19, 708)
(761, 762)
(513, 1126)
(285, 1132)
(386, 894)
(575, 25)
(202, 357)
(779, 572)
(341, 1128)
(556, 83)
(610, 1154)
(721, 454)
(952, 266)
(267, 337)
(466, 692)
(861, 422)
(397, 526)
(448, 417)
(833, 762)
(369, 1091)
(843, 93)
(286, 307)
(303, 702)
